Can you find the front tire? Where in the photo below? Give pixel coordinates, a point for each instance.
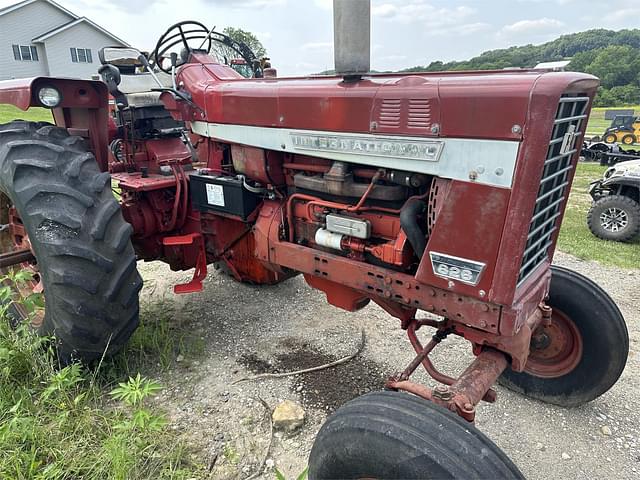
(614, 217)
(394, 435)
(582, 353)
(76, 232)
(610, 138)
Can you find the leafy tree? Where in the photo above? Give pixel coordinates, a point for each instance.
(226, 54)
(618, 96)
(615, 65)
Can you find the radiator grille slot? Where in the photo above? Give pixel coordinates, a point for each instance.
(390, 113)
(413, 114)
(554, 184)
(419, 113)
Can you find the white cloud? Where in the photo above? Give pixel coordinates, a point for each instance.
(247, 3)
(324, 4)
(559, 2)
(537, 26)
(418, 11)
(317, 46)
(384, 10)
(392, 58)
(462, 30)
(622, 14)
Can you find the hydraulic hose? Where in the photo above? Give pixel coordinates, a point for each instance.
(412, 209)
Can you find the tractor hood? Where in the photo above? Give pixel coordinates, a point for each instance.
(481, 105)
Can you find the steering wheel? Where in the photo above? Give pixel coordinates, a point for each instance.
(187, 33)
(192, 31)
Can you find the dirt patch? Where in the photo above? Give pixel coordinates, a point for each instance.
(246, 330)
(325, 389)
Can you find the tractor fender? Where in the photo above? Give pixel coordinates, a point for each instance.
(83, 108)
(22, 92)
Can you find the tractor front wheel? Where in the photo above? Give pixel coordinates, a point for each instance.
(581, 353)
(66, 215)
(395, 435)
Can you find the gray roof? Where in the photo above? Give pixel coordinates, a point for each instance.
(76, 20)
(72, 23)
(24, 3)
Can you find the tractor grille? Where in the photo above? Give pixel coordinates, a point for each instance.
(554, 185)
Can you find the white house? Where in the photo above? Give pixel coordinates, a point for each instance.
(40, 37)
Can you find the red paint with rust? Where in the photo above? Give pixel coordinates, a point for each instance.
(465, 219)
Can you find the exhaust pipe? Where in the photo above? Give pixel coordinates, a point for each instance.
(352, 37)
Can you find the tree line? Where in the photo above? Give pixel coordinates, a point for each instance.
(612, 56)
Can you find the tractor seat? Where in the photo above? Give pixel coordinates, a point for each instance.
(137, 88)
(119, 72)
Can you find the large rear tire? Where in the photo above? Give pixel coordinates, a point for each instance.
(393, 435)
(80, 241)
(582, 353)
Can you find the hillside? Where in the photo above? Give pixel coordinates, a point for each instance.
(612, 56)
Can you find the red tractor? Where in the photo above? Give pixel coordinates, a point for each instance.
(435, 192)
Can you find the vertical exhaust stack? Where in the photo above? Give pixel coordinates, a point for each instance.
(352, 38)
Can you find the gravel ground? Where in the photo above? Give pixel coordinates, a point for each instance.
(247, 330)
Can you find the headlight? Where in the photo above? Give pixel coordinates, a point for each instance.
(49, 97)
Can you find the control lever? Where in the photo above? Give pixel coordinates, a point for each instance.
(184, 96)
(174, 63)
(145, 63)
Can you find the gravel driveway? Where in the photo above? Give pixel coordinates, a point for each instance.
(247, 330)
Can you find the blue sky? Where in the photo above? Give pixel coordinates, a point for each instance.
(298, 33)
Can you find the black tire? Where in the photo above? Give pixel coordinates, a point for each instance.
(610, 138)
(393, 435)
(605, 344)
(80, 240)
(627, 211)
(629, 139)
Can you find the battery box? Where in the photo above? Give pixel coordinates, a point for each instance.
(222, 194)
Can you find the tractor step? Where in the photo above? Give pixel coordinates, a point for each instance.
(195, 285)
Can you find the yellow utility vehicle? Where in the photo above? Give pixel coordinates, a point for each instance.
(623, 129)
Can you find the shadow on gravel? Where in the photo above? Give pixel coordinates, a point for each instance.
(325, 389)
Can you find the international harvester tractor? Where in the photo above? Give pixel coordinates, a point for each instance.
(421, 192)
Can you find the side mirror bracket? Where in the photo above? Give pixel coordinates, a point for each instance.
(110, 75)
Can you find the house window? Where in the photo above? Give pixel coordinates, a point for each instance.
(81, 55)
(28, 53)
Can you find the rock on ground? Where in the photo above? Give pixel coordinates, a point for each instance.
(288, 416)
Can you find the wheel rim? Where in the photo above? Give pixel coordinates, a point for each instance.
(614, 219)
(556, 349)
(610, 139)
(14, 237)
(627, 140)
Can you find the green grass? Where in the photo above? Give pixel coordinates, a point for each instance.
(78, 422)
(9, 113)
(597, 124)
(576, 238)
